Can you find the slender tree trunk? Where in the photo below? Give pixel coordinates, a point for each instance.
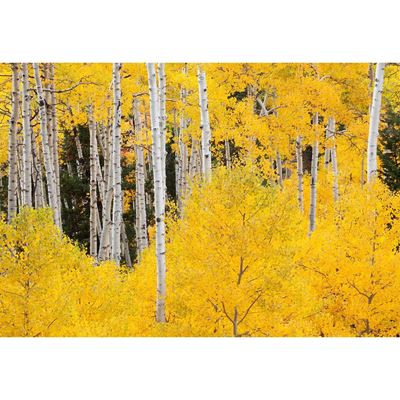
(142, 241)
(50, 176)
(163, 121)
(80, 161)
(12, 145)
(37, 175)
(27, 129)
(159, 198)
(125, 242)
(314, 173)
(117, 201)
(279, 168)
(228, 158)
(299, 162)
(374, 122)
(20, 168)
(105, 239)
(93, 189)
(205, 126)
(333, 155)
(54, 131)
(194, 159)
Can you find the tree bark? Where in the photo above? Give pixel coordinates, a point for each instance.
(163, 121)
(159, 198)
(279, 168)
(299, 163)
(374, 123)
(12, 145)
(141, 238)
(54, 134)
(50, 176)
(93, 189)
(333, 154)
(228, 158)
(27, 129)
(117, 200)
(205, 125)
(314, 174)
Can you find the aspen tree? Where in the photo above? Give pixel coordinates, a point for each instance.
(228, 158)
(125, 243)
(314, 173)
(93, 189)
(333, 156)
(142, 241)
(374, 122)
(54, 131)
(163, 120)
(279, 168)
(37, 176)
(27, 129)
(205, 125)
(299, 164)
(12, 144)
(117, 200)
(159, 199)
(20, 168)
(105, 238)
(50, 176)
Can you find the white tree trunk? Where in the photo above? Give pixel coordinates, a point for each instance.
(228, 158)
(105, 239)
(141, 235)
(333, 156)
(27, 129)
(374, 122)
(205, 126)
(163, 120)
(159, 198)
(125, 242)
(117, 200)
(37, 175)
(279, 168)
(299, 163)
(80, 160)
(50, 176)
(12, 145)
(54, 130)
(314, 174)
(93, 189)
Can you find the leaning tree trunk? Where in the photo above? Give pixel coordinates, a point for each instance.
(374, 122)
(50, 176)
(27, 129)
(12, 145)
(205, 125)
(314, 173)
(299, 163)
(159, 198)
(105, 238)
(93, 189)
(116, 156)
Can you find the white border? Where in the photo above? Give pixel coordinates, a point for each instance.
(213, 31)
(199, 30)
